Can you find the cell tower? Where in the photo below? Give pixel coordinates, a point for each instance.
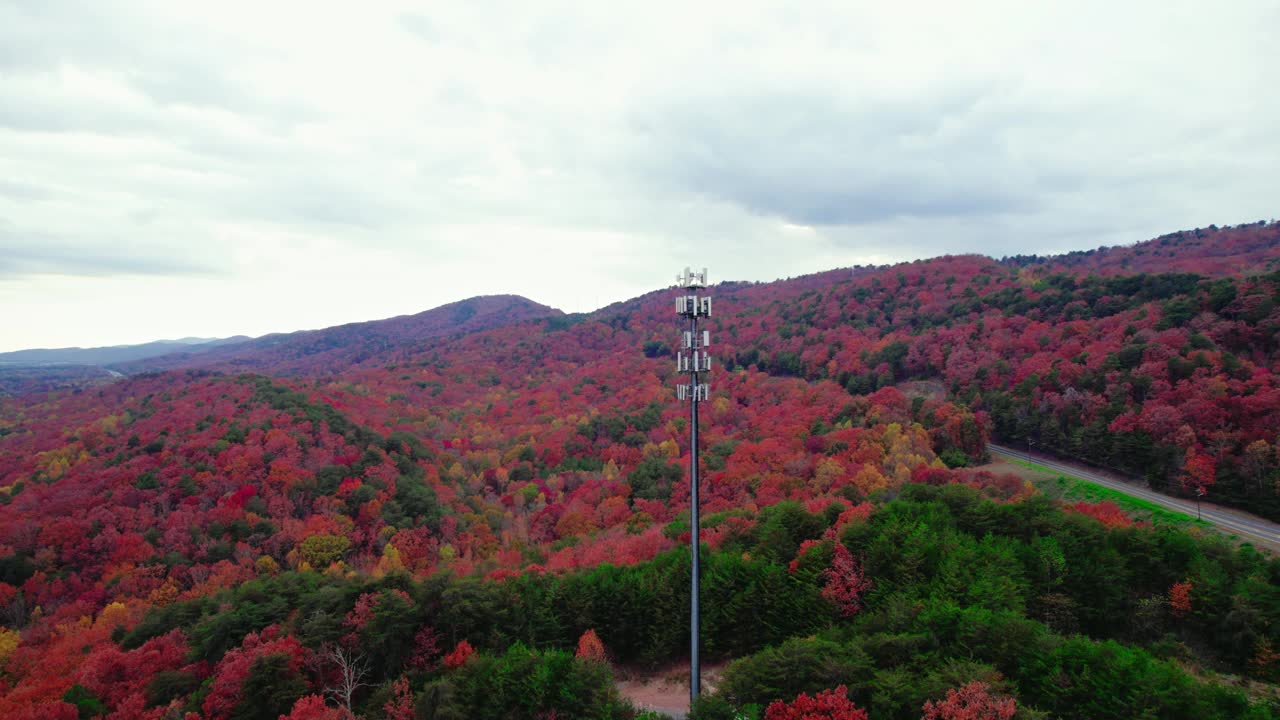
(693, 359)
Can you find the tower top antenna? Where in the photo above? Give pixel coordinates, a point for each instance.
(692, 279)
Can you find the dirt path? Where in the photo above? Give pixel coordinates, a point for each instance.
(666, 690)
(1251, 528)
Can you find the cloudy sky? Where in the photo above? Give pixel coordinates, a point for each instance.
(173, 169)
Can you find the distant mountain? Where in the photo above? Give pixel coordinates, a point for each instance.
(333, 349)
(113, 354)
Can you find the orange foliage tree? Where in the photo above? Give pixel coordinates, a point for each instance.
(591, 648)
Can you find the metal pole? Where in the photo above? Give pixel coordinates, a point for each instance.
(695, 668)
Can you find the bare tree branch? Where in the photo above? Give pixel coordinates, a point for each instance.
(352, 668)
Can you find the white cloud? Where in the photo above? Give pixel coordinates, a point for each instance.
(221, 168)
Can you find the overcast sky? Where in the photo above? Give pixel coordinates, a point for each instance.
(217, 168)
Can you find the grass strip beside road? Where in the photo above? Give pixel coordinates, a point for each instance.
(1077, 489)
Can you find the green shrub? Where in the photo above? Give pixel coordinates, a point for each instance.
(270, 690)
(715, 707)
(169, 685)
(795, 666)
(87, 704)
(524, 684)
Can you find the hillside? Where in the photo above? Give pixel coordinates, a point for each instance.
(201, 538)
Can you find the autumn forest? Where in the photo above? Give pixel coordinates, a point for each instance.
(482, 511)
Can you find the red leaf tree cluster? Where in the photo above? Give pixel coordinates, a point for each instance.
(972, 701)
(831, 704)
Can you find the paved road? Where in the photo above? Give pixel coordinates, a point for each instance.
(1235, 522)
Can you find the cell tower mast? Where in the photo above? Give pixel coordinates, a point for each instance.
(693, 359)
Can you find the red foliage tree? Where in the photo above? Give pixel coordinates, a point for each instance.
(400, 706)
(827, 705)
(972, 701)
(459, 655)
(845, 582)
(1198, 473)
(426, 649)
(312, 707)
(1180, 599)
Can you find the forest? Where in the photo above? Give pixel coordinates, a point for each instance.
(482, 511)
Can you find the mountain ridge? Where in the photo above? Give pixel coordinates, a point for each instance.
(111, 354)
(305, 350)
